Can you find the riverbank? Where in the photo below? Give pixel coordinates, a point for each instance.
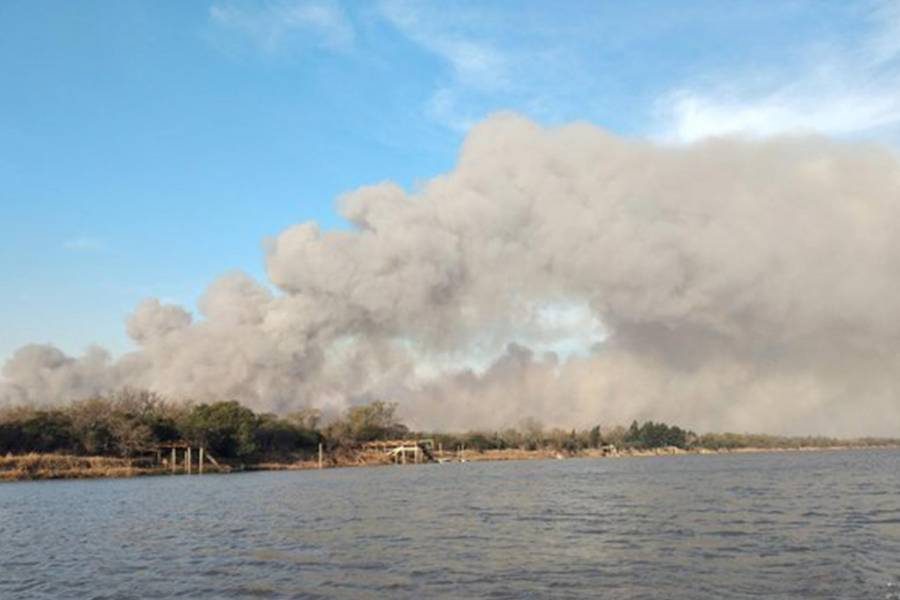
(31, 467)
(60, 466)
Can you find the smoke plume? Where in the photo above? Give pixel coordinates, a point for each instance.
(564, 274)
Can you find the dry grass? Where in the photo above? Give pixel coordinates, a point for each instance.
(58, 466)
(365, 458)
(508, 454)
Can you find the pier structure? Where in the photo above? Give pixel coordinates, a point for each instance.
(402, 452)
(168, 452)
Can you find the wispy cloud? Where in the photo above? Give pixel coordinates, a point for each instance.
(842, 88)
(784, 67)
(805, 106)
(475, 67)
(84, 244)
(493, 57)
(274, 26)
(445, 107)
(788, 67)
(474, 62)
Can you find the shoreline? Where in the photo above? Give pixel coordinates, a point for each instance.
(42, 467)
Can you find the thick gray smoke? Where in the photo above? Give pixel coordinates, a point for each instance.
(730, 284)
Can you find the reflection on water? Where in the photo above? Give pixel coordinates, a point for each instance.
(791, 525)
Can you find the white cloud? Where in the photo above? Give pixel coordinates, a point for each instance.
(272, 26)
(695, 115)
(842, 89)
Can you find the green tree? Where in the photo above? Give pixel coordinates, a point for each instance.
(279, 436)
(45, 431)
(656, 435)
(633, 435)
(479, 442)
(595, 438)
(225, 428)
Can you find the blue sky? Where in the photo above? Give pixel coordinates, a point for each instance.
(146, 147)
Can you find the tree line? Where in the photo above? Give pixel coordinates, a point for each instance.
(130, 423)
(531, 435)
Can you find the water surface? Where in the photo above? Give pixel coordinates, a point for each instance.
(787, 525)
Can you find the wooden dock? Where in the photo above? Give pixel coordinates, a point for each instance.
(404, 452)
(187, 452)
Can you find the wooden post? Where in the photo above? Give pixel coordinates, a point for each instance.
(174, 460)
(200, 466)
(416, 453)
(187, 460)
(320, 456)
(212, 459)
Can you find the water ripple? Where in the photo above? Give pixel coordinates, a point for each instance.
(793, 525)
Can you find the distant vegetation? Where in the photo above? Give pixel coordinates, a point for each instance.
(130, 423)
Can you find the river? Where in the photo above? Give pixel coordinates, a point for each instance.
(780, 525)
